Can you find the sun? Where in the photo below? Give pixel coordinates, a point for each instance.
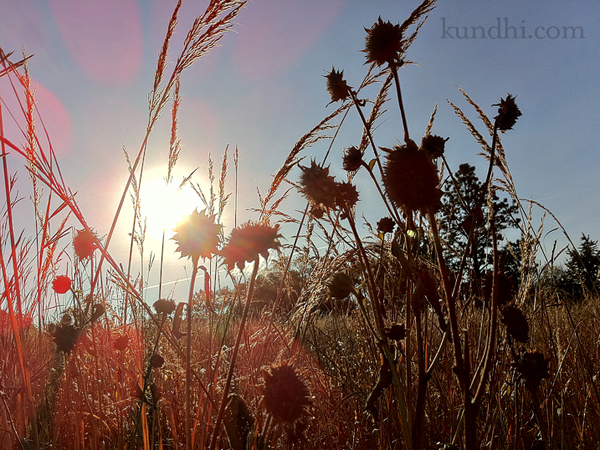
(164, 205)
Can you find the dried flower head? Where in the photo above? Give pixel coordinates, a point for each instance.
(508, 113)
(410, 178)
(286, 396)
(65, 337)
(163, 306)
(97, 311)
(396, 332)
(386, 225)
(352, 159)
(317, 185)
(383, 43)
(534, 368)
(248, 241)
(336, 86)
(61, 284)
(346, 196)
(516, 323)
(197, 236)
(341, 285)
(84, 243)
(434, 145)
(121, 342)
(156, 361)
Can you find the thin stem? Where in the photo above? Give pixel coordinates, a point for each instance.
(188, 365)
(236, 349)
(394, 70)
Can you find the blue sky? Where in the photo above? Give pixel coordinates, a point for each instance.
(263, 88)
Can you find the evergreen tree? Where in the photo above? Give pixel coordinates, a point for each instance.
(581, 276)
(462, 209)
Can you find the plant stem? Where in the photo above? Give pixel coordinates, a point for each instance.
(188, 366)
(394, 70)
(236, 349)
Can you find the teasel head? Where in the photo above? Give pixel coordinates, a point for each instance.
(84, 243)
(346, 197)
(337, 87)
(286, 396)
(386, 225)
(516, 323)
(197, 236)
(163, 306)
(533, 367)
(352, 160)
(317, 185)
(383, 43)
(248, 241)
(508, 113)
(411, 179)
(434, 145)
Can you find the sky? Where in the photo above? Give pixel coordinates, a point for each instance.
(263, 88)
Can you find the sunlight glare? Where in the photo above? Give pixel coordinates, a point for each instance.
(165, 205)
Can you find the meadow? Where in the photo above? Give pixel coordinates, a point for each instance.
(420, 328)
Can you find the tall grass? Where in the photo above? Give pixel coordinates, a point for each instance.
(369, 342)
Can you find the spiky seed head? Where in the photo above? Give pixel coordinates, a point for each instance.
(383, 43)
(163, 306)
(516, 323)
(346, 196)
(248, 241)
(84, 243)
(508, 113)
(336, 86)
(317, 185)
(286, 396)
(121, 342)
(386, 225)
(352, 159)
(157, 361)
(341, 285)
(434, 145)
(197, 236)
(533, 367)
(61, 284)
(410, 178)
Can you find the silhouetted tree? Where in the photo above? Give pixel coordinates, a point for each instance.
(581, 274)
(462, 209)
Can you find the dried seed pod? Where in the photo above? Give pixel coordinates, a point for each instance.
(163, 306)
(534, 368)
(341, 285)
(286, 396)
(508, 113)
(383, 43)
(336, 86)
(516, 323)
(411, 179)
